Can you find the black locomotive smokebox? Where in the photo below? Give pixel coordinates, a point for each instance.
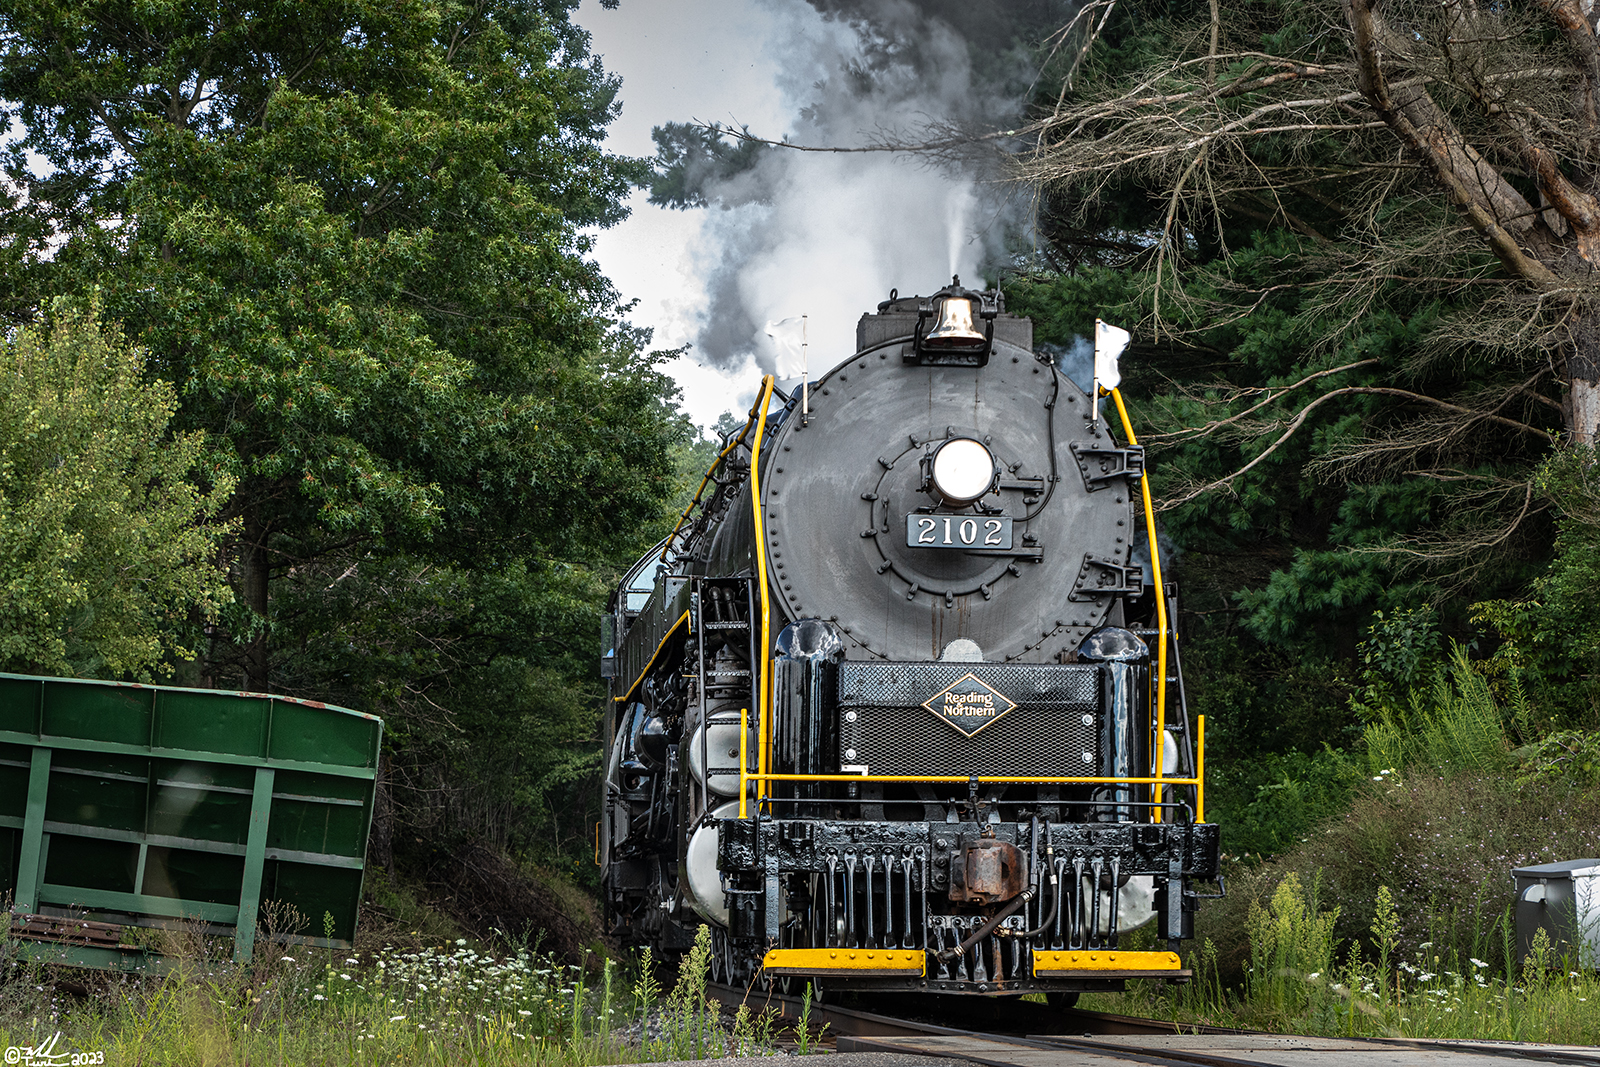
(1025, 573)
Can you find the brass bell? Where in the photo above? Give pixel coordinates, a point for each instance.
(955, 329)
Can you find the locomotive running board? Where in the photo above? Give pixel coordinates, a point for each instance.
(1108, 963)
(849, 962)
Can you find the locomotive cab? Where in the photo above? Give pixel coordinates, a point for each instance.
(903, 708)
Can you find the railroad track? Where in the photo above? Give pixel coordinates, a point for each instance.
(972, 1017)
(1012, 1033)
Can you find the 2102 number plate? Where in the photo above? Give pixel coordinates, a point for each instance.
(958, 531)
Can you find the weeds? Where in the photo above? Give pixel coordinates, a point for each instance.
(1297, 982)
(805, 1043)
(456, 1004)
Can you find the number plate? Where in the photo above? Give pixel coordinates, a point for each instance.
(958, 531)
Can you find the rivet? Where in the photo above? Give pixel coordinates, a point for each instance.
(1093, 957)
(852, 955)
(833, 955)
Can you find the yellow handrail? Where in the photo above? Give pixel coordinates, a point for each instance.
(683, 620)
(734, 443)
(759, 413)
(986, 779)
(1161, 617)
(1200, 773)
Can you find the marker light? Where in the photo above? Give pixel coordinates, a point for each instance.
(963, 470)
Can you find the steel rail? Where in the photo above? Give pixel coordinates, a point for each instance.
(1009, 1016)
(1039, 1027)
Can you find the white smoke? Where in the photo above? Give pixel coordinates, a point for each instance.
(827, 235)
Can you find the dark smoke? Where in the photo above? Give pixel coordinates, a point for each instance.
(827, 235)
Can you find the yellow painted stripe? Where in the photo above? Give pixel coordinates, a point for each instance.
(683, 620)
(847, 961)
(1046, 964)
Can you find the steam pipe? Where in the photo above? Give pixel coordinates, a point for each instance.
(1046, 913)
(988, 928)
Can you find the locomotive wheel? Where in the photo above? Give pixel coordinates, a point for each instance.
(1061, 1001)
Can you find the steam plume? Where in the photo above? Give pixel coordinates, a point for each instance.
(828, 235)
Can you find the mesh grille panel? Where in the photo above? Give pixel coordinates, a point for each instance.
(1044, 734)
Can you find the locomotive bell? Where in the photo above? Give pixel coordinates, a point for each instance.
(955, 328)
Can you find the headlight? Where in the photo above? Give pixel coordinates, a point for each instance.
(963, 470)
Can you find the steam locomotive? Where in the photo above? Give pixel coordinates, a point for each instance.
(898, 705)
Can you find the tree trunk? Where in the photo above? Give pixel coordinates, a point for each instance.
(253, 574)
(1583, 383)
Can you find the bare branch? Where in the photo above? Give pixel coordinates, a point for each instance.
(1272, 395)
(1301, 416)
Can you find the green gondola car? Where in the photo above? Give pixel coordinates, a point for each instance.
(136, 806)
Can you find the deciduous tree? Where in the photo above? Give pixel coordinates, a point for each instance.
(108, 544)
(350, 233)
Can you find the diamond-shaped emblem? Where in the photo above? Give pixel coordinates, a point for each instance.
(969, 705)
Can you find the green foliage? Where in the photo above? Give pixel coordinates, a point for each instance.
(1298, 984)
(108, 539)
(1549, 637)
(693, 162)
(1568, 756)
(352, 236)
(1276, 729)
(1398, 656)
(1268, 805)
(483, 675)
(1301, 340)
(365, 275)
(440, 1005)
(691, 1020)
(1385, 935)
(1291, 943)
(1454, 726)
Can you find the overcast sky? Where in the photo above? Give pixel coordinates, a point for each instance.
(682, 59)
(825, 236)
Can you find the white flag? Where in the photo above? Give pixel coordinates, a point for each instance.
(789, 344)
(1109, 341)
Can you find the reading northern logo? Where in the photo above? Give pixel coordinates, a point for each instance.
(969, 705)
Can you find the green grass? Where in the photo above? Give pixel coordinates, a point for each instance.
(1304, 980)
(450, 1004)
